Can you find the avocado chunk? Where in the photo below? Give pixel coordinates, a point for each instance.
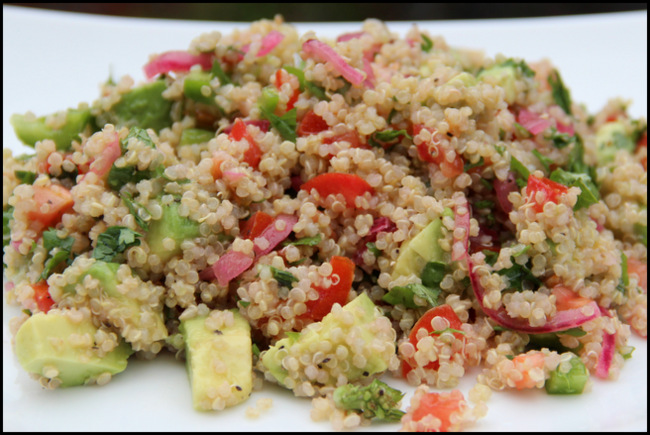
(143, 106)
(170, 225)
(138, 321)
(219, 361)
(30, 131)
(504, 76)
(349, 344)
(611, 137)
(56, 345)
(420, 250)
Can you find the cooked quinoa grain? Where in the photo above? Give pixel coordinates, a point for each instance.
(279, 208)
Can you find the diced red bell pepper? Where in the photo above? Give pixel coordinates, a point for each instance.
(255, 225)
(349, 185)
(445, 311)
(311, 124)
(442, 406)
(552, 191)
(42, 296)
(343, 268)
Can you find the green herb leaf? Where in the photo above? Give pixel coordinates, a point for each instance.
(519, 168)
(433, 273)
(427, 45)
(140, 134)
(25, 177)
(560, 93)
(134, 208)
(560, 140)
(625, 278)
(522, 131)
(219, 73)
(545, 161)
(256, 350)
(283, 277)
(7, 216)
(376, 400)
(373, 248)
(521, 65)
(403, 295)
(469, 166)
(114, 241)
(440, 331)
(642, 233)
(589, 192)
(62, 253)
(313, 88)
(305, 241)
(486, 203)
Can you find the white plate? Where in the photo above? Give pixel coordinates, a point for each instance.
(53, 60)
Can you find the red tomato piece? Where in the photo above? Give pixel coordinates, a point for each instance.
(432, 153)
(524, 363)
(552, 191)
(445, 311)
(255, 225)
(640, 270)
(58, 201)
(441, 406)
(338, 292)
(311, 124)
(349, 185)
(567, 299)
(253, 154)
(42, 296)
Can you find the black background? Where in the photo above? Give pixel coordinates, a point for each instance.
(315, 12)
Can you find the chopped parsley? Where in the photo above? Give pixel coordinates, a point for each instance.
(625, 278)
(560, 140)
(285, 124)
(545, 161)
(118, 177)
(373, 248)
(313, 88)
(134, 208)
(521, 170)
(219, 73)
(403, 295)
(114, 241)
(521, 65)
(478, 164)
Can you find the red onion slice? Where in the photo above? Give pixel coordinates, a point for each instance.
(269, 42)
(532, 122)
(177, 61)
(562, 320)
(271, 236)
(230, 265)
(325, 53)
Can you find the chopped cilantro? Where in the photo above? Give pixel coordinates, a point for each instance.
(386, 137)
(560, 140)
(313, 88)
(114, 241)
(373, 248)
(64, 248)
(589, 192)
(433, 274)
(519, 168)
(625, 278)
(403, 295)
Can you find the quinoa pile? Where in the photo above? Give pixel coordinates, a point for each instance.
(280, 176)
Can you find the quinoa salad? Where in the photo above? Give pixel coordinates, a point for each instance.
(328, 214)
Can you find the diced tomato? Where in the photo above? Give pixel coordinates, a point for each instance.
(342, 275)
(640, 270)
(253, 154)
(279, 81)
(349, 185)
(445, 311)
(217, 159)
(441, 406)
(59, 201)
(524, 363)
(349, 136)
(42, 296)
(567, 299)
(431, 153)
(103, 163)
(255, 225)
(311, 124)
(552, 191)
